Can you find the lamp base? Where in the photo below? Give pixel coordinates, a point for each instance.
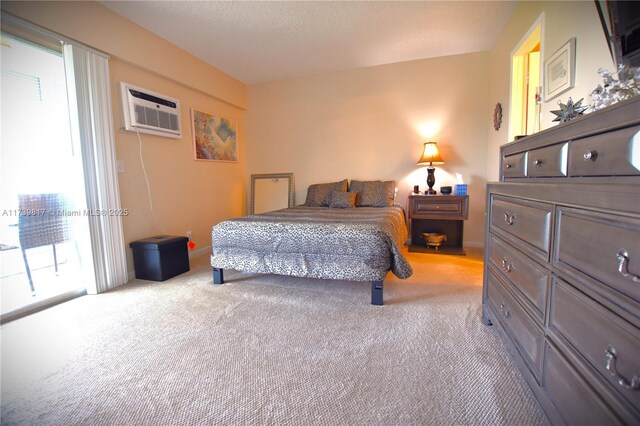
(431, 180)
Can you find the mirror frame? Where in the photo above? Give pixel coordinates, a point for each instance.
(275, 176)
(605, 20)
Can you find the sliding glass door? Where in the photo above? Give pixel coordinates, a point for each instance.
(43, 215)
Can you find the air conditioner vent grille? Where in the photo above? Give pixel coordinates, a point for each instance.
(150, 112)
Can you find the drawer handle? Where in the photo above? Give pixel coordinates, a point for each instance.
(506, 265)
(590, 155)
(623, 268)
(507, 166)
(509, 218)
(537, 162)
(633, 384)
(505, 313)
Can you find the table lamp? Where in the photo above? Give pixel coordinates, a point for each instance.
(430, 156)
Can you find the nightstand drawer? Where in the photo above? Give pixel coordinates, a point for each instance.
(609, 154)
(530, 222)
(438, 207)
(523, 273)
(549, 161)
(602, 246)
(608, 343)
(450, 207)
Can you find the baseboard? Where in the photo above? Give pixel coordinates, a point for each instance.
(473, 244)
(200, 251)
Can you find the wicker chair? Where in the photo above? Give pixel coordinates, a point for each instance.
(41, 223)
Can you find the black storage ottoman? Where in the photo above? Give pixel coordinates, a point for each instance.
(160, 258)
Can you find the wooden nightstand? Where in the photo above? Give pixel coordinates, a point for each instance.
(444, 214)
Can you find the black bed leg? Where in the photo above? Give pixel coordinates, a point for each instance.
(218, 276)
(376, 292)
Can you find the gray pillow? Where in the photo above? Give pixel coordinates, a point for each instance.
(374, 193)
(342, 200)
(319, 194)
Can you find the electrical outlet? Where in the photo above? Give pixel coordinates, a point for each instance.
(189, 235)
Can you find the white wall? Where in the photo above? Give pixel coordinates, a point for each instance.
(562, 21)
(366, 124)
(358, 124)
(187, 195)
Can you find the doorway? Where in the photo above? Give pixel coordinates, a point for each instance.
(526, 90)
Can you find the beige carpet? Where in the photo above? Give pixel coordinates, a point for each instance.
(268, 350)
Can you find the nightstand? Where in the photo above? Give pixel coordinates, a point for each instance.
(443, 214)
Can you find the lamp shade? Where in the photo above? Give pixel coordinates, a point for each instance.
(430, 155)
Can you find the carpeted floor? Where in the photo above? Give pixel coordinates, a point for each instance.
(265, 349)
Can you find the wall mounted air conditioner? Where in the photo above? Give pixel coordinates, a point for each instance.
(149, 112)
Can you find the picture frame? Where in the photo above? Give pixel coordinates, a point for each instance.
(215, 138)
(559, 71)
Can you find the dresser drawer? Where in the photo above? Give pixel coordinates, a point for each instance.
(549, 161)
(610, 344)
(522, 272)
(514, 165)
(526, 334)
(530, 222)
(574, 399)
(605, 247)
(610, 154)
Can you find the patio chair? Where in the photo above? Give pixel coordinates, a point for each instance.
(42, 222)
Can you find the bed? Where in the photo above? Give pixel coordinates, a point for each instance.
(355, 244)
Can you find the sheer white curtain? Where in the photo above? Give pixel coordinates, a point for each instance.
(92, 128)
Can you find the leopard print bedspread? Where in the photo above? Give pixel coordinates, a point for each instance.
(357, 244)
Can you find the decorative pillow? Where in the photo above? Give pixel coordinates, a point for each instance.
(342, 200)
(319, 194)
(373, 193)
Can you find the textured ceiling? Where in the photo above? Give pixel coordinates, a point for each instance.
(264, 41)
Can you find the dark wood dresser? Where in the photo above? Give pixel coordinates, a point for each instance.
(562, 264)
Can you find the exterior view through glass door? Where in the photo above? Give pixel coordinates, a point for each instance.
(42, 197)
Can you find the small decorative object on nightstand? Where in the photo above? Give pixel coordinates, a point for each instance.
(430, 156)
(442, 215)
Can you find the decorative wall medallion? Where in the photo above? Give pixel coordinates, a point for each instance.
(497, 116)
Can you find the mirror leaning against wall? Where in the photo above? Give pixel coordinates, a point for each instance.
(271, 191)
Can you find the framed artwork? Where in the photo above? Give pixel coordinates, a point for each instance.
(559, 71)
(214, 138)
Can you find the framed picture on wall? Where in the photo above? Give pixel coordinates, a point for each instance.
(214, 138)
(559, 71)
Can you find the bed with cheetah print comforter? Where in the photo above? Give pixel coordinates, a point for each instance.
(355, 244)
